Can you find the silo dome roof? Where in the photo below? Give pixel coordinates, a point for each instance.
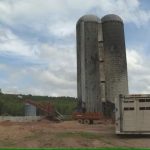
(89, 18)
(111, 17)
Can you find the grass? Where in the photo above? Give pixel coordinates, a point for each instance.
(87, 135)
(34, 135)
(7, 143)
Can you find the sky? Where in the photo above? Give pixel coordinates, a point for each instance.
(38, 43)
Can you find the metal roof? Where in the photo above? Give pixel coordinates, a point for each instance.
(111, 17)
(89, 18)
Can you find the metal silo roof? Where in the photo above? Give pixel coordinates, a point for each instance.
(89, 18)
(111, 17)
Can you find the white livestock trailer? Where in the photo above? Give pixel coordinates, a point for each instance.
(132, 114)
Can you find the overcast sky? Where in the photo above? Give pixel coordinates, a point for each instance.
(38, 43)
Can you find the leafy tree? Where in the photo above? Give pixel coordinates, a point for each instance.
(12, 104)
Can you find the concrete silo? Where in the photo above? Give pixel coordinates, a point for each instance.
(115, 65)
(88, 73)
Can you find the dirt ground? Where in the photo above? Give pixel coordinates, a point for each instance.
(65, 134)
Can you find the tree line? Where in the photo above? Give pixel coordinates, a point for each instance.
(13, 105)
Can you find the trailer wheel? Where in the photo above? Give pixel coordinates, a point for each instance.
(80, 121)
(91, 121)
(86, 121)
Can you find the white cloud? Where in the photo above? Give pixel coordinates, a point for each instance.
(63, 29)
(10, 43)
(58, 77)
(139, 72)
(57, 19)
(134, 60)
(50, 13)
(40, 82)
(58, 52)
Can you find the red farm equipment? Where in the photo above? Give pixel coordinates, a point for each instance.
(48, 109)
(87, 117)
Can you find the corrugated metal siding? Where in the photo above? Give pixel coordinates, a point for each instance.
(30, 110)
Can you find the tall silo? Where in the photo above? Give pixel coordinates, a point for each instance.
(88, 74)
(30, 110)
(115, 65)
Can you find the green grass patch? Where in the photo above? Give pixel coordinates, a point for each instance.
(7, 143)
(34, 135)
(87, 135)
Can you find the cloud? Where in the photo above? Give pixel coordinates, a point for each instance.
(41, 82)
(52, 12)
(37, 44)
(139, 72)
(62, 29)
(11, 43)
(57, 77)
